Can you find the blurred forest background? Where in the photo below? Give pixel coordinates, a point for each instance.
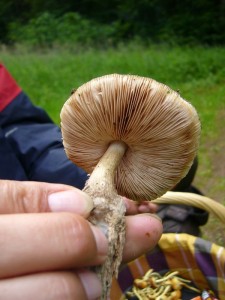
(51, 47)
(104, 23)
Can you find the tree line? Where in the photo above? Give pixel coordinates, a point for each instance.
(96, 21)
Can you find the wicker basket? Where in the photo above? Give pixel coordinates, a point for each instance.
(196, 200)
(194, 258)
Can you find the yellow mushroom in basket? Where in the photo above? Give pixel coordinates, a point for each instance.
(136, 138)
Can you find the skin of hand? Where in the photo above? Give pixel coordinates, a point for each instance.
(134, 207)
(47, 246)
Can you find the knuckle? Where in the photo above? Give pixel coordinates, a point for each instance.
(22, 197)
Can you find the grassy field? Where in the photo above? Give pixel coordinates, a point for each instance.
(198, 73)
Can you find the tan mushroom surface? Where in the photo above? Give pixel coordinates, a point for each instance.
(160, 129)
(137, 138)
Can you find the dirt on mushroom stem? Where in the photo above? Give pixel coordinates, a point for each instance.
(109, 211)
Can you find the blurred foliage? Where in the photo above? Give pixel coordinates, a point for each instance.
(70, 28)
(44, 23)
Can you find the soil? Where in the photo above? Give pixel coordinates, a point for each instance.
(213, 185)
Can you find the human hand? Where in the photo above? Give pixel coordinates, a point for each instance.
(134, 207)
(47, 255)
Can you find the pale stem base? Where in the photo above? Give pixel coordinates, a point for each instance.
(109, 210)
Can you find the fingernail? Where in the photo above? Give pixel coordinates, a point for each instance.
(101, 241)
(143, 208)
(71, 201)
(91, 284)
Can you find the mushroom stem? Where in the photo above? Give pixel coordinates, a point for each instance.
(109, 210)
(102, 178)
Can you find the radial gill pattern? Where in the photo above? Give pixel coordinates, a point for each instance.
(160, 129)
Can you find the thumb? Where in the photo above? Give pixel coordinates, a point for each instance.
(34, 197)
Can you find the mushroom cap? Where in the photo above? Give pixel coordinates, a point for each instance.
(160, 129)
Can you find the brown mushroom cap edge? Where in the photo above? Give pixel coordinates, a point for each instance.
(160, 128)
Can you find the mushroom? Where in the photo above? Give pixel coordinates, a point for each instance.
(137, 138)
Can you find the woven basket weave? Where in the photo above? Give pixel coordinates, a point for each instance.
(194, 258)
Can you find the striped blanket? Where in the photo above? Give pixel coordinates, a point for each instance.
(194, 258)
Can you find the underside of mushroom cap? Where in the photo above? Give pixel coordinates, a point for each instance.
(161, 131)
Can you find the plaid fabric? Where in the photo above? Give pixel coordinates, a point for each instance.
(196, 259)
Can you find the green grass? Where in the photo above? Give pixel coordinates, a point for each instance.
(198, 73)
(49, 77)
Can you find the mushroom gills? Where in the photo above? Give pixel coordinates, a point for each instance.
(139, 136)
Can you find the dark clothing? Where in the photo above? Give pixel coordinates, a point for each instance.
(30, 143)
